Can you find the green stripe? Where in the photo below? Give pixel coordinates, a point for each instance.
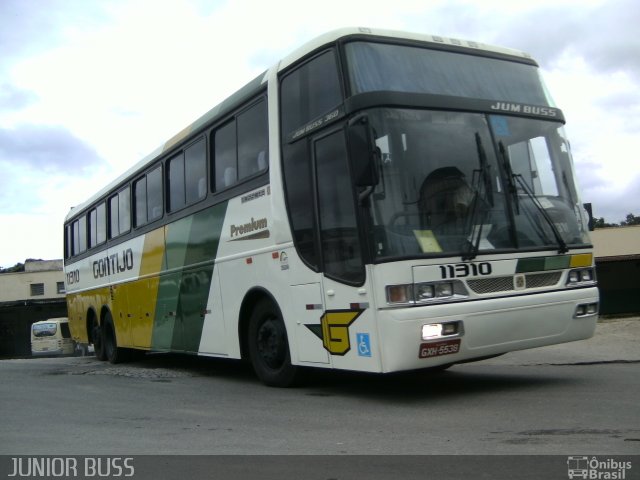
(191, 246)
(557, 263)
(538, 264)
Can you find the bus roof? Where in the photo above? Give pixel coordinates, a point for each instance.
(435, 40)
(251, 88)
(52, 320)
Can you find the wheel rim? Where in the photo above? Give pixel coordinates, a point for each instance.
(271, 343)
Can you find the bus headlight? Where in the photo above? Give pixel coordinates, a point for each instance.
(425, 292)
(580, 276)
(433, 330)
(586, 309)
(439, 330)
(444, 290)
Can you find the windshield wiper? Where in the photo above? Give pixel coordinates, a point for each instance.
(511, 183)
(481, 177)
(514, 179)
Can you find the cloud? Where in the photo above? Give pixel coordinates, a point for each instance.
(33, 236)
(46, 148)
(614, 203)
(604, 34)
(30, 26)
(14, 98)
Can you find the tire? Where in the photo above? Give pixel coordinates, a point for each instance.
(269, 346)
(112, 352)
(98, 342)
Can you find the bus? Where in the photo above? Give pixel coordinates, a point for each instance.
(377, 201)
(51, 337)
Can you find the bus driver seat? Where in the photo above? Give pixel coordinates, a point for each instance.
(444, 201)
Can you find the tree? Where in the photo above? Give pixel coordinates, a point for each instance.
(631, 220)
(18, 267)
(602, 223)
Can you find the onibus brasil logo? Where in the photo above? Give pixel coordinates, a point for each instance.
(597, 469)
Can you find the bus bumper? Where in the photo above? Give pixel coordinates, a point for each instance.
(47, 353)
(487, 328)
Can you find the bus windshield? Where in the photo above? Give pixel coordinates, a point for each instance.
(401, 68)
(466, 183)
(45, 329)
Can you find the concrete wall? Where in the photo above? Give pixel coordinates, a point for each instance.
(617, 253)
(619, 284)
(19, 308)
(17, 286)
(16, 321)
(42, 265)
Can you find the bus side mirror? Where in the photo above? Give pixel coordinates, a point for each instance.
(363, 152)
(589, 209)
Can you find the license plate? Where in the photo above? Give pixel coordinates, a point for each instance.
(437, 349)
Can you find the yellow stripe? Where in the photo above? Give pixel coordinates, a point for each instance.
(582, 260)
(143, 293)
(178, 137)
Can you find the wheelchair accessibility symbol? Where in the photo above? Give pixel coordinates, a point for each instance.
(364, 344)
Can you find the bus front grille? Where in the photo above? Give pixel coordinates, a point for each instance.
(505, 284)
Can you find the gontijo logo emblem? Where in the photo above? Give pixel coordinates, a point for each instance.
(334, 330)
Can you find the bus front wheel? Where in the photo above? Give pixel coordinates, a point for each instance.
(269, 346)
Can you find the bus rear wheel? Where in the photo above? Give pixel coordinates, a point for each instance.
(113, 353)
(269, 346)
(98, 341)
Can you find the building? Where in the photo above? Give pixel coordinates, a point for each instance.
(26, 297)
(617, 254)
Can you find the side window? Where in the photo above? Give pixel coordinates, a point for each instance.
(76, 238)
(241, 147)
(253, 140)
(140, 202)
(93, 220)
(101, 223)
(154, 194)
(80, 235)
(187, 176)
(120, 213)
(175, 177)
(68, 241)
(309, 91)
(64, 329)
(341, 254)
(124, 210)
(97, 226)
(114, 226)
(226, 172)
(195, 171)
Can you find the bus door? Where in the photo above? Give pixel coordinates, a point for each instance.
(344, 287)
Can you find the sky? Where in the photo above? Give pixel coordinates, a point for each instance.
(89, 87)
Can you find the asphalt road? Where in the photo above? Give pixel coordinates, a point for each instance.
(580, 398)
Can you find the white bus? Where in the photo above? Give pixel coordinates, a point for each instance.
(377, 201)
(51, 337)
